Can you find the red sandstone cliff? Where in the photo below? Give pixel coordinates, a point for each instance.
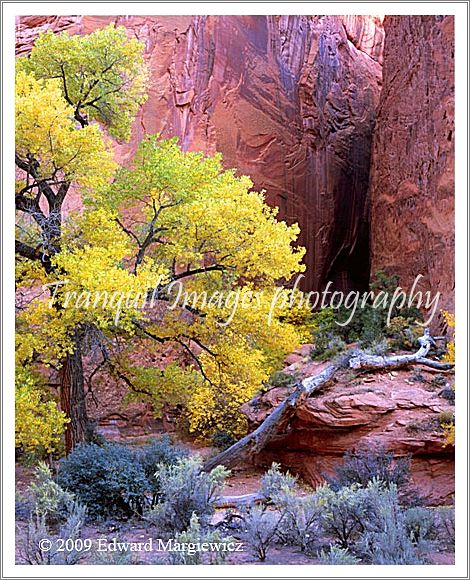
(412, 172)
(289, 100)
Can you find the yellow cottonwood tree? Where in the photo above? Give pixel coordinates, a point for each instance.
(65, 89)
(221, 253)
(102, 75)
(174, 226)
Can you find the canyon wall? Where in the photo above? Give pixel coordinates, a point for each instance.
(288, 100)
(412, 171)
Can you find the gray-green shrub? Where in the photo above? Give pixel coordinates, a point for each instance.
(185, 489)
(345, 512)
(112, 558)
(23, 507)
(282, 379)
(38, 529)
(420, 526)
(445, 520)
(152, 455)
(363, 465)
(48, 499)
(261, 527)
(116, 480)
(274, 483)
(107, 479)
(193, 536)
(301, 522)
(385, 539)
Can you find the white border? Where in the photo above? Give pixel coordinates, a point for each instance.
(229, 8)
(11, 9)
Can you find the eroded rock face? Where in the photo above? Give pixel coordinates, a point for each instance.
(366, 33)
(289, 100)
(412, 172)
(392, 411)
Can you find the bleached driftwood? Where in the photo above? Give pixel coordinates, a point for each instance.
(376, 362)
(235, 501)
(254, 442)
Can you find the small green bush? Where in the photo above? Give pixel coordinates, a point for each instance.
(439, 381)
(107, 479)
(417, 377)
(338, 556)
(48, 499)
(326, 338)
(376, 328)
(327, 342)
(428, 425)
(403, 332)
(446, 418)
(345, 512)
(185, 489)
(222, 440)
(282, 379)
(378, 347)
(448, 393)
(370, 326)
(335, 347)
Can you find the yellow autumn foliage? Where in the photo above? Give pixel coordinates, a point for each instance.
(449, 428)
(38, 422)
(46, 132)
(450, 320)
(103, 75)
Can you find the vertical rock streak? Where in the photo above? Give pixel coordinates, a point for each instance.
(412, 171)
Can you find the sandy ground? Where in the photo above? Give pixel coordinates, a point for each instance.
(242, 481)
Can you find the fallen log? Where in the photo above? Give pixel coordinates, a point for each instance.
(235, 501)
(244, 450)
(434, 364)
(254, 442)
(377, 362)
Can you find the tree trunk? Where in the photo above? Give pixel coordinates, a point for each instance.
(72, 398)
